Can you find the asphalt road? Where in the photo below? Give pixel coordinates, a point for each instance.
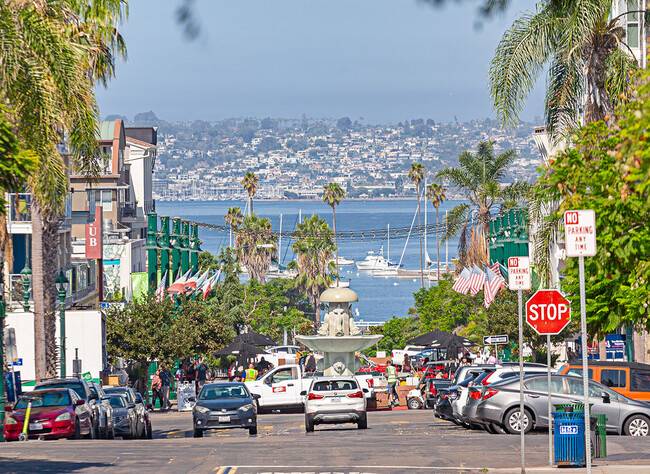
(397, 441)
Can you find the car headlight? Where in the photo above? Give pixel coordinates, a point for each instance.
(201, 409)
(64, 417)
(120, 417)
(10, 421)
(246, 407)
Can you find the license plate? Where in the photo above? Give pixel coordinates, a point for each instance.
(224, 419)
(35, 426)
(336, 399)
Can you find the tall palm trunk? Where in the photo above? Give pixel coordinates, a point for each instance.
(437, 245)
(420, 234)
(250, 208)
(336, 244)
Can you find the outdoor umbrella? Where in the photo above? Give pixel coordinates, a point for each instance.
(240, 348)
(255, 338)
(451, 341)
(428, 338)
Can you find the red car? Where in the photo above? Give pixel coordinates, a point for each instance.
(56, 413)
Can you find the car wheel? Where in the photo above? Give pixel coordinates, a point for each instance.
(198, 433)
(363, 424)
(489, 429)
(497, 428)
(77, 430)
(414, 404)
(309, 425)
(144, 434)
(111, 433)
(252, 431)
(91, 433)
(637, 425)
(513, 421)
(149, 431)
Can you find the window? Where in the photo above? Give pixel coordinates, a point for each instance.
(640, 381)
(578, 372)
(281, 376)
(76, 386)
(632, 38)
(541, 385)
(613, 378)
(335, 385)
(52, 399)
(107, 200)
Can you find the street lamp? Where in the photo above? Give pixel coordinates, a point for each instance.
(2, 329)
(62, 287)
(27, 278)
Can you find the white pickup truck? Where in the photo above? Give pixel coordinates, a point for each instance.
(280, 387)
(397, 356)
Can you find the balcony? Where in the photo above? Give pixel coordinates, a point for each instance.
(20, 213)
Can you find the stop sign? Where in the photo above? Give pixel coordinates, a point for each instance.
(548, 312)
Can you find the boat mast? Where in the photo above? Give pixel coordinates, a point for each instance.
(426, 254)
(388, 252)
(280, 246)
(446, 248)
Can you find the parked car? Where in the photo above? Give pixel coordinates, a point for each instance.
(335, 400)
(142, 414)
(397, 355)
(81, 388)
(500, 404)
(124, 416)
(225, 405)
(426, 394)
(147, 414)
(56, 413)
(630, 379)
(106, 429)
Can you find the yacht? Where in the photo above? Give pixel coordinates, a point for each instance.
(375, 261)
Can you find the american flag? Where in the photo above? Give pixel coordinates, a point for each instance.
(160, 291)
(495, 268)
(462, 283)
(476, 280)
(493, 282)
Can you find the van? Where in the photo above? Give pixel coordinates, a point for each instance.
(631, 379)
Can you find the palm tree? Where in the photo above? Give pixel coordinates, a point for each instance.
(233, 218)
(250, 182)
(47, 50)
(580, 45)
(332, 194)
(479, 177)
(436, 192)
(255, 232)
(416, 174)
(314, 247)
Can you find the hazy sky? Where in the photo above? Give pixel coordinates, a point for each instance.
(383, 60)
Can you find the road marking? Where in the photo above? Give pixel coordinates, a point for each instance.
(225, 469)
(270, 427)
(176, 434)
(399, 422)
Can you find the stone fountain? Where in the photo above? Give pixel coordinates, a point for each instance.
(339, 338)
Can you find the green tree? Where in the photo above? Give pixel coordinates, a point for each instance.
(251, 235)
(332, 194)
(416, 174)
(314, 247)
(580, 45)
(233, 218)
(250, 182)
(436, 192)
(441, 308)
(479, 177)
(607, 170)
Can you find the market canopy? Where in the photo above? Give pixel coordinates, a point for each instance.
(240, 348)
(450, 341)
(255, 339)
(428, 338)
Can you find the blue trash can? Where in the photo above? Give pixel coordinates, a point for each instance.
(569, 438)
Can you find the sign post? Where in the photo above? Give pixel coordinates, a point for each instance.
(548, 312)
(495, 341)
(580, 241)
(519, 279)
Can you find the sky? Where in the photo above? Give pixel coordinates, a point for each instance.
(377, 61)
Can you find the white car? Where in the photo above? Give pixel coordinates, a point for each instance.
(337, 399)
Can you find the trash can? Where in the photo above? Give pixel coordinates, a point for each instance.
(569, 438)
(600, 438)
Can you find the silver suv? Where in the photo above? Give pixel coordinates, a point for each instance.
(338, 399)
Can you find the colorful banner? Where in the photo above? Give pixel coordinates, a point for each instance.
(139, 285)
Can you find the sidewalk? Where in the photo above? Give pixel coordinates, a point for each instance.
(595, 469)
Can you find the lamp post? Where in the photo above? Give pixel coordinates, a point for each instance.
(2, 356)
(62, 287)
(27, 278)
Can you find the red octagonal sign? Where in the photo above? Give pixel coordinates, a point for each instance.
(548, 312)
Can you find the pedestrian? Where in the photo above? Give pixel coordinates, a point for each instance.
(250, 374)
(406, 364)
(310, 363)
(166, 379)
(263, 365)
(200, 375)
(232, 371)
(156, 388)
(391, 379)
(492, 360)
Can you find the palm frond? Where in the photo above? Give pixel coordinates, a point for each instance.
(564, 94)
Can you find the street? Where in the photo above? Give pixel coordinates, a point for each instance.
(397, 441)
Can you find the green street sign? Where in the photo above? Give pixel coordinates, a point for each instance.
(87, 376)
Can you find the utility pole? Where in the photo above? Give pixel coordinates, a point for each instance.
(3, 399)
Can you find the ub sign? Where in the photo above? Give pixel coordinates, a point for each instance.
(94, 236)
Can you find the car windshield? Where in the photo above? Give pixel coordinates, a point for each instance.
(76, 386)
(223, 392)
(121, 391)
(118, 402)
(326, 385)
(51, 399)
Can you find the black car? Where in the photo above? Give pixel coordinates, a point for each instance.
(225, 405)
(143, 424)
(106, 428)
(81, 388)
(124, 416)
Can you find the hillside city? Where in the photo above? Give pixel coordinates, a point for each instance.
(295, 158)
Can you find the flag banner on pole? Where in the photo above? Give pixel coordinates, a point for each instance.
(495, 267)
(462, 283)
(160, 291)
(476, 280)
(493, 282)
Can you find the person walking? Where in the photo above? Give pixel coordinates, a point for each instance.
(406, 364)
(200, 375)
(391, 378)
(166, 380)
(310, 363)
(156, 388)
(492, 360)
(232, 371)
(263, 366)
(250, 374)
